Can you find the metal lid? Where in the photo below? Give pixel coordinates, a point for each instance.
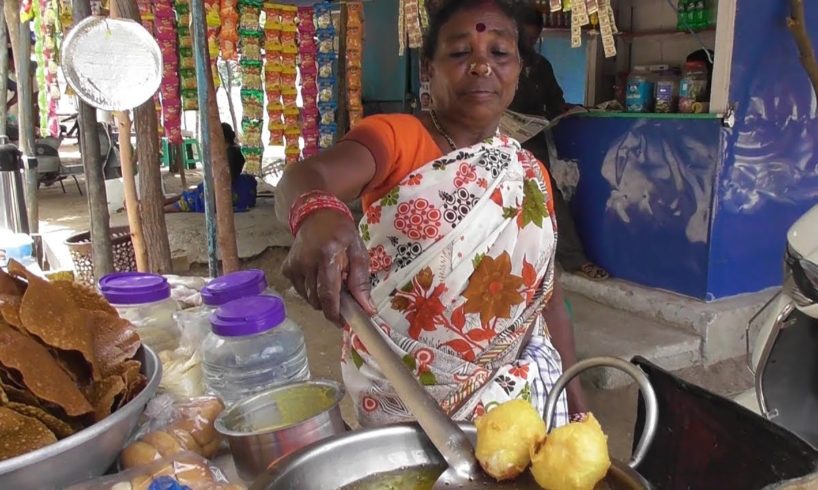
(133, 288)
(234, 286)
(248, 316)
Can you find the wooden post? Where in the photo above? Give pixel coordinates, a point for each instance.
(25, 119)
(177, 162)
(4, 71)
(797, 24)
(11, 9)
(123, 120)
(150, 177)
(214, 153)
(342, 120)
(94, 178)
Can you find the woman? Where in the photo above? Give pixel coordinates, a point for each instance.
(458, 240)
(244, 186)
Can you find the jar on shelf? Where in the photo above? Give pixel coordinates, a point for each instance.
(693, 85)
(666, 98)
(144, 300)
(639, 91)
(252, 346)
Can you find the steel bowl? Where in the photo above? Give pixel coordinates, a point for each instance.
(88, 453)
(260, 434)
(349, 458)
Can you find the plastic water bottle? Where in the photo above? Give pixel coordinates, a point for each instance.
(253, 346)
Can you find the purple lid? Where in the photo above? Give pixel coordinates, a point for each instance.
(234, 286)
(247, 316)
(134, 288)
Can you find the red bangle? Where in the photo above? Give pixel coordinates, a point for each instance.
(313, 201)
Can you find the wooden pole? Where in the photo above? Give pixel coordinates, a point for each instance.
(214, 153)
(796, 23)
(177, 162)
(343, 111)
(4, 71)
(150, 177)
(123, 120)
(11, 9)
(94, 178)
(25, 118)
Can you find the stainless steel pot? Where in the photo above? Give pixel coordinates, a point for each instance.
(260, 433)
(346, 459)
(88, 453)
(343, 460)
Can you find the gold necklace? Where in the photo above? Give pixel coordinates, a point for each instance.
(440, 130)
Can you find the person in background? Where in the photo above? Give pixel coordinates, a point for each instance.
(455, 255)
(244, 185)
(539, 94)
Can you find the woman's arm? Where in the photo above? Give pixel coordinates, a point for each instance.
(562, 336)
(328, 252)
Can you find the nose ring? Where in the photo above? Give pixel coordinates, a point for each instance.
(481, 69)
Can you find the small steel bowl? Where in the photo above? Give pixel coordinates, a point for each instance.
(259, 433)
(88, 453)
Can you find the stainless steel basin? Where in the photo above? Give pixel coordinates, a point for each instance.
(342, 460)
(88, 453)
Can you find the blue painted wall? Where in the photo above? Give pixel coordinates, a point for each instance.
(644, 197)
(570, 65)
(769, 174)
(384, 72)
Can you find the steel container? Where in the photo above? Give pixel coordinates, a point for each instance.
(254, 449)
(88, 453)
(346, 459)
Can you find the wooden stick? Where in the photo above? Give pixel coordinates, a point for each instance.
(101, 248)
(150, 177)
(12, 10)
(4, 71)
(214, 151)
(797, 26)
(123, 121)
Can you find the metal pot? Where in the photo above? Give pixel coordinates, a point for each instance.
(346, 459)
(260, 432)
(88, 453)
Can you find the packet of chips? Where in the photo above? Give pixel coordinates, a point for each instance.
(276, 130)
(253, 103)
(327, 136)
(323, 16)
(251, 128)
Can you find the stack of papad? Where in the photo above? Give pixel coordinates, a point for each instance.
(66, 360)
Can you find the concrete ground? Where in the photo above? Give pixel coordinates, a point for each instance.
(600, 328)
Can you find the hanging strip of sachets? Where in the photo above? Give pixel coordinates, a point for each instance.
(308, 68)
(167, 37)
(354, 53)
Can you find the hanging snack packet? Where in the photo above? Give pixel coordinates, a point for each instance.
(253, 103)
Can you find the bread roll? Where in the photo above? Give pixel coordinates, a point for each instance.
(166, 444)
(139, 453)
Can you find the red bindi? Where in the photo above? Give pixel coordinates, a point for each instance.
(480, 27)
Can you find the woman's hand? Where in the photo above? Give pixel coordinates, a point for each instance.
(328, 254)
(576, 398)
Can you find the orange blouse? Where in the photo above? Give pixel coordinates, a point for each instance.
(400, 144)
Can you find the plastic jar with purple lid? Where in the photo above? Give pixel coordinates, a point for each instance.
(195, 322)
(252, 346)
(144, 300)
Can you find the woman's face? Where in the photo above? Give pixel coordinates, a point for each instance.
(461, 85)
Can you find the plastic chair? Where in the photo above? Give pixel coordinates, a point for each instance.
(191, 153)
(705, 441)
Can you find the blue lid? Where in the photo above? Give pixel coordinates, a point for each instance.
(232, 286)
(248, 316)
(134, 288)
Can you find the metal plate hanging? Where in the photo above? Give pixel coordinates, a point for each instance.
(112, 64)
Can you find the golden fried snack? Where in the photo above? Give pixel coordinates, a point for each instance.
(40, 372)
(20, 434)
(504, 437)
(571, 457)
